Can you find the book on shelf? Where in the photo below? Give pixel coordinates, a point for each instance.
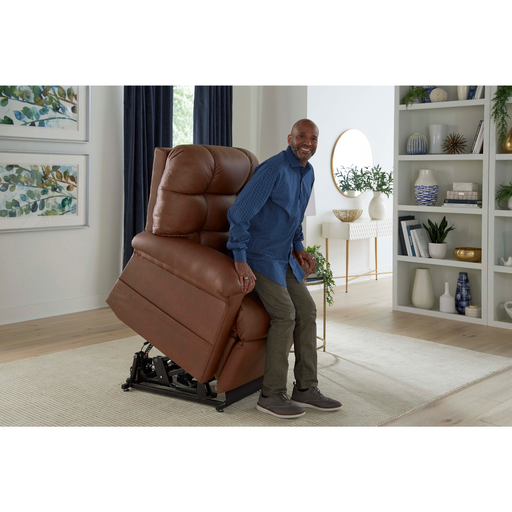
(479, 92)
(414, 248)
(480, 140)
(404, 223)
(420, 237)
(476, 136)
(401, 232)
(459, 194)
(463, 201)
(472, 92)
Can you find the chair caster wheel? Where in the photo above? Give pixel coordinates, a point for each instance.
(125, 387)
(219, 410)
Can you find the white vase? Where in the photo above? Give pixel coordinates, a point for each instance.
(447, 301)
(438, 133)
(377, 208)
(426, 189)
(437, 250)
(462, 92)
(423, 290)
(509, 204)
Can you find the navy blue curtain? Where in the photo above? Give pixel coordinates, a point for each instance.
(213, 115)
(147, 125)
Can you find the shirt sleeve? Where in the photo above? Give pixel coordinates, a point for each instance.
(248, 203)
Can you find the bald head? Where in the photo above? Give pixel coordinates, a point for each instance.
(303, 140)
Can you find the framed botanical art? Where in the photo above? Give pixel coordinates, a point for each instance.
(45, 112)
(41, 191)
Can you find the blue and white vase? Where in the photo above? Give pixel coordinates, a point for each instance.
(417, 144)
(463, 293)
(428, 90)
(426, 189)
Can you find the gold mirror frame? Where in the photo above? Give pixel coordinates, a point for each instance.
(358, 154)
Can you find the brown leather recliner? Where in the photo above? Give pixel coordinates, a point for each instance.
(180, 290)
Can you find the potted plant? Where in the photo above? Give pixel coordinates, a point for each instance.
(380, 182)
(415, 94)
(351, 180)
(504, 194)
(499, 111)
(323, 271)
(437, 234)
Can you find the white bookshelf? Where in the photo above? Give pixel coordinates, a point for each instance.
(500, 232)
(471, 225)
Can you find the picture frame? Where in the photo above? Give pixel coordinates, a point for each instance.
(45, 112)
(43, 190)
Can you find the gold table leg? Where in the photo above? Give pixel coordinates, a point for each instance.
(346, 273)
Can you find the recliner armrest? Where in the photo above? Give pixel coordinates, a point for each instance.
(201, 266)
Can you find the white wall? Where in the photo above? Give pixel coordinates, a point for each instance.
(264, 115)
(335, 109)
(49, 273)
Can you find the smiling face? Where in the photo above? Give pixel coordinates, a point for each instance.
(303, 140)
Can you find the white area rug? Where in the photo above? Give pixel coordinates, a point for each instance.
(377, 377)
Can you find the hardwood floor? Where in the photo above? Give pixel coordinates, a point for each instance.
(367, 305)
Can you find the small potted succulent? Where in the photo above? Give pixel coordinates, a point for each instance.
(323, 271)
(437, 234)
(504, 195)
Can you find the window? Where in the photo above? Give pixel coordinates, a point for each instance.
(183, 115)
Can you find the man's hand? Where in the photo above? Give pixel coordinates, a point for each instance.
(245, 276)
(305, 255)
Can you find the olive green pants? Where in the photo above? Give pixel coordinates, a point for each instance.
(292, 314)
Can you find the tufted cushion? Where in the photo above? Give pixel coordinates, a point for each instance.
(194, 204)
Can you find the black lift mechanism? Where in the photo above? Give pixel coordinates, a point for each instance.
(162, 376)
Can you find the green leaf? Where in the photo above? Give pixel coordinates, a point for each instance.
(12, 188)
(7, 120)
(71, 93)
(4, 102)
(28, 112)
(61, 92)
(41, 204)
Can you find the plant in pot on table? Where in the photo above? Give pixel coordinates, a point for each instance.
(323, 271)
(380, 182)
(437, 234)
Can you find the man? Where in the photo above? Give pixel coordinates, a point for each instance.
(265, 230)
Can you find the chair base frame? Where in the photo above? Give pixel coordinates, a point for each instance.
(162, 376)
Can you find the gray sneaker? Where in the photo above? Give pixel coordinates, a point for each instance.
(314, 399)
(279, 406)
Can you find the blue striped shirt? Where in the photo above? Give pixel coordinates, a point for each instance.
(266, 218)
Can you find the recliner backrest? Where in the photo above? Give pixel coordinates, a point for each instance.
(192, 190)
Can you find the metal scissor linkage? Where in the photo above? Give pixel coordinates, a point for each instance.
(162, 376)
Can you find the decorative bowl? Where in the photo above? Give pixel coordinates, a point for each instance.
(468, 254)
(347, 215)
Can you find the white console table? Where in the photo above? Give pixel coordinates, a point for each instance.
(357, 230)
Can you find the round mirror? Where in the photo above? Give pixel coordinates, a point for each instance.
(352, 149)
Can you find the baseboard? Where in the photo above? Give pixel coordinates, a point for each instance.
(53, 308)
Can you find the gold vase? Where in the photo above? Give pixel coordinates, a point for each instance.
(507, 143)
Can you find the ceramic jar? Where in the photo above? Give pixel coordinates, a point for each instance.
(438, 133)
(377, 207)
(447, 301)
(437, 251)
(462, 92)
(426, 188)
(423, 290)
(417, 144)
(463, 293)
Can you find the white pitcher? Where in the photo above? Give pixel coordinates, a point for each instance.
(507, 263)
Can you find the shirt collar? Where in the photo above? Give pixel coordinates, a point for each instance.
(292, 160)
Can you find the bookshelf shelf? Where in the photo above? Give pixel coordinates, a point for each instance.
(503, 213)
(471, 224)
(503, 270)
(441, 105)
(438, 209)
(441, 158)
(447, 262)
(504, 156)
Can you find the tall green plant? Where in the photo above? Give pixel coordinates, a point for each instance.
(499, 112)
(379, 180)
(323, 270)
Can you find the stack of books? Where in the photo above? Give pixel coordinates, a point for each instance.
(478, 139)
(413, 237)
(475, 92)
(463, 195)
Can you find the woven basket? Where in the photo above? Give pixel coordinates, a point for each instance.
(347, 215)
